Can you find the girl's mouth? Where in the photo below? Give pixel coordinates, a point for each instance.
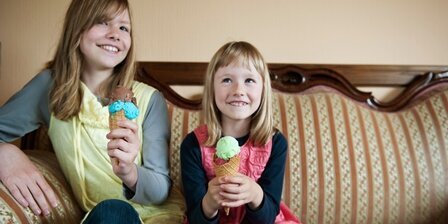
(238, 103)
(109, 48)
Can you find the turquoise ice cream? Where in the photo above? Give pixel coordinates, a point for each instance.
(129, 108)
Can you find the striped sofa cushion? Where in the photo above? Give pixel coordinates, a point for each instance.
(68, 210)
(351, 164)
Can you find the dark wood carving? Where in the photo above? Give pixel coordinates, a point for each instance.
(416, 89)
(162, 82)
(295, 78)
(192, 73)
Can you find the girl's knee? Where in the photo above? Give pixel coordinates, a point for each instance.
(115, 204)
(113, 211)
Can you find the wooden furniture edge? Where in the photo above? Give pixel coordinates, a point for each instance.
(296, 78)
(191, 73)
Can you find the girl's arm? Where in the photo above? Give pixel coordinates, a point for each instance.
(22, 113)
(271, 181)
(194, 180)
(27, 109)
(153, 182)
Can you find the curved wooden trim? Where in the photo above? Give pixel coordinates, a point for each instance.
(145, 75)
(296, 78)
(293, 79)
(192, 73)
(415, 91)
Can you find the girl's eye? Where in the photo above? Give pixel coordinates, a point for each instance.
(124, 28)
(226, 80)
(250, 80)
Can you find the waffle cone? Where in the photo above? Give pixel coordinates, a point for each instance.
(230, 168)
(114, 118)
(113, 124)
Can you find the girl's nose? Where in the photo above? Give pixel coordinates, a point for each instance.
(238, 90)
(113, 34)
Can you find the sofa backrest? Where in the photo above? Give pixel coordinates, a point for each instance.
(351, 164)
(352, 158)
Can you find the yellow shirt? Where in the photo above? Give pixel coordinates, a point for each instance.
(80, 145)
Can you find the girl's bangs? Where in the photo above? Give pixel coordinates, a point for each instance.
(245, 59)
(113, 10)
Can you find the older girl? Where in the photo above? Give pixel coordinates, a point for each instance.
(95, 54)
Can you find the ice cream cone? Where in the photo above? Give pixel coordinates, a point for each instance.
(114, 118)
(122, 106)
(113, 124)
(226, 160)
(230, 168)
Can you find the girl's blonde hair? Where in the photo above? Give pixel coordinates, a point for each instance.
(66, 93)
(261, 127)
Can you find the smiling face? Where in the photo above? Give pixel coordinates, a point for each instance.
(107, 43)
(238, 91)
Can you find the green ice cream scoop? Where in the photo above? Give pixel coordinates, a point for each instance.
(227, 147)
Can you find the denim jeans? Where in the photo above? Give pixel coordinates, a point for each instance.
(112, 211)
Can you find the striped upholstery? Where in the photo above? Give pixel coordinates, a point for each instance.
(68, 210)
(351, 164)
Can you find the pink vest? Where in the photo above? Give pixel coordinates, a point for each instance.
(253, 160)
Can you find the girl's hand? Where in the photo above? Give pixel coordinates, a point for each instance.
(239, 190)
(212, 199)
(124, 145)
(25, 182)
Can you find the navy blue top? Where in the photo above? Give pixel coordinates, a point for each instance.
(195, 181)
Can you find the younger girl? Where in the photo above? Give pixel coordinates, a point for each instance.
(95, 54)
(237, 103)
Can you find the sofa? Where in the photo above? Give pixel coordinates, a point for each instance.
(352, 158)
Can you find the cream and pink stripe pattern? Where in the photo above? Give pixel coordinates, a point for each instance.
(67, 211)
(351, 164)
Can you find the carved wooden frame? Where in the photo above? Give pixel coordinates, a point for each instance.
(296, 78)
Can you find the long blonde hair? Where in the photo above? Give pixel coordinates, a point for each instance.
(261, 127)
(66, 93)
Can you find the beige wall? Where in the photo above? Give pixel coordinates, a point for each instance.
(411, 32)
